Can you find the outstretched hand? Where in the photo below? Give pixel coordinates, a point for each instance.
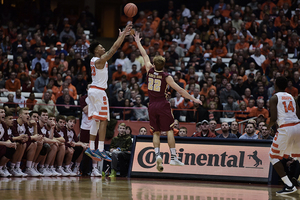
(127, 29)
(137, 36)
(198, 101)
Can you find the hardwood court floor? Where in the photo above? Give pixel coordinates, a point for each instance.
(134, 189)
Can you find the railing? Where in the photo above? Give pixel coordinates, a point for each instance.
(241, 123)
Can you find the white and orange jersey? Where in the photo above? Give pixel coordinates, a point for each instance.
(99, 76)
(286, 109)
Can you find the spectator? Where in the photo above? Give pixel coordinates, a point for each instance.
(250, 83)
(66, 34)
(243, 113)
(296, 80)
(219, 66)
(10, 106)
(213, 126)
(265, 134)
(213, 115)
(47, 104)
(291, 89)
(68, 107)
(127, 67)
(120, 148)
(141, 113)
(225, 132)
(118, 101)
(186, 104)
(182, 132)
(80, 84)
(230, 106)
(229, 92)
(258, 57)
(60, 50)
(135, 73)
(41, 82)
(260, 109)
(250, 132)
(234, 129)
(31, 101)
(72, 89)
(20, 100)
(143, 131)
(81, 48)
(205, 131)
(219, 50)
(217, 20)
(127, 113)
(38, 58)
(12, 84)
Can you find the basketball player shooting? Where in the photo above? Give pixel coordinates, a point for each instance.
(286, 142)
(98, 109)
(160, 115)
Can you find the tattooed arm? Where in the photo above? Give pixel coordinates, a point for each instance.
(100, 63)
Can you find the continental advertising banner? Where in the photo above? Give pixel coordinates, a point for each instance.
(208, 159)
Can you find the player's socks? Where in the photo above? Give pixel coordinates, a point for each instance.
(101, 145)
(28, 164)
(157, 151)
(92, 145)
(287, 181)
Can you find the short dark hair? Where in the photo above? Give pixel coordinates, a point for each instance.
(93, 47)
(8, 114)
(281, 82)
(32, 112)
(60, 117)
(71, 118)
(51, 115)
(43, 110)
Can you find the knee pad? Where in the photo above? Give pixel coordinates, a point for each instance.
(274, 160)
(94, 128)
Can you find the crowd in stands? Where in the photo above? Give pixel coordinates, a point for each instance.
(226, 55)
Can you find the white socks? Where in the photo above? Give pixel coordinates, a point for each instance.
(157, 151)
(173, 151)
(92, 145)
(101, 145)
(287, 181)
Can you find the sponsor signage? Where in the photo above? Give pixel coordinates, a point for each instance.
(209, 159)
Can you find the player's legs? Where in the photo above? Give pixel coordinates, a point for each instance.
(281, 147)
(37, 153)
(77, 157)
(171, 142)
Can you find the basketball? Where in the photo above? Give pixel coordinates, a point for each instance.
(130, 10)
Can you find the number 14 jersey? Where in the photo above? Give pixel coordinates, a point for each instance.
(99, 76)
(286, 109)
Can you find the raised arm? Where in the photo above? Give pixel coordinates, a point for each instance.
(180, 90)
(105, 57)
(147, 62)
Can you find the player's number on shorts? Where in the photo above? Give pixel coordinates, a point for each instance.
(154, 84)
(289, 107)
(93, 71)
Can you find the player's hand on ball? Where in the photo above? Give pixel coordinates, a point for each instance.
(127, 29)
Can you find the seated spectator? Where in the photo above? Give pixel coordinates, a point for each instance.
(214, 115)
(41, 82)
(66, 34)
(251, 69)
(47, 104)
(120, 148)
(31, 101)
(118, 101)
(219, 66)
(182, 132)
(250, 132)
(127, 67)
(127, 114)
(259, 109)
(80, 84)
(219, 50)
(258, 57)
(143, 131)
(251, 106)
(242, 45)
(128, 131)
(67, 108)
(39, 59)
(10, 106)
(225, 131)
(13, 84)
(229, 92)
(72, 89)
(20, 100)
(127, 47)
(205, 131)
(213, 126)
(250, 83)
(186, 104)
(265, 134)
(243, 112)
(234, 129)
(230, 106)
(134, 73)
(141, 114)
(291, 89)
(81, 48)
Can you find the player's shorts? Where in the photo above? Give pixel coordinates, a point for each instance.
(286, 142)
(7, 152)
(160, 115)
(85, 137)
(98, 104)
(2, 150)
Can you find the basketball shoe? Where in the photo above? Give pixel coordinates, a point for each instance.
(92, 154)
(159, 165)
(102, 154)
(175, 161)
(287, 190)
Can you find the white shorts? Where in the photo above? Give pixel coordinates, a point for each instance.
(286, 142)
(98, 104)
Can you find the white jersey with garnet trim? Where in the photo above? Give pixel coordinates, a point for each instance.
(286, 109)
(99, 76)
